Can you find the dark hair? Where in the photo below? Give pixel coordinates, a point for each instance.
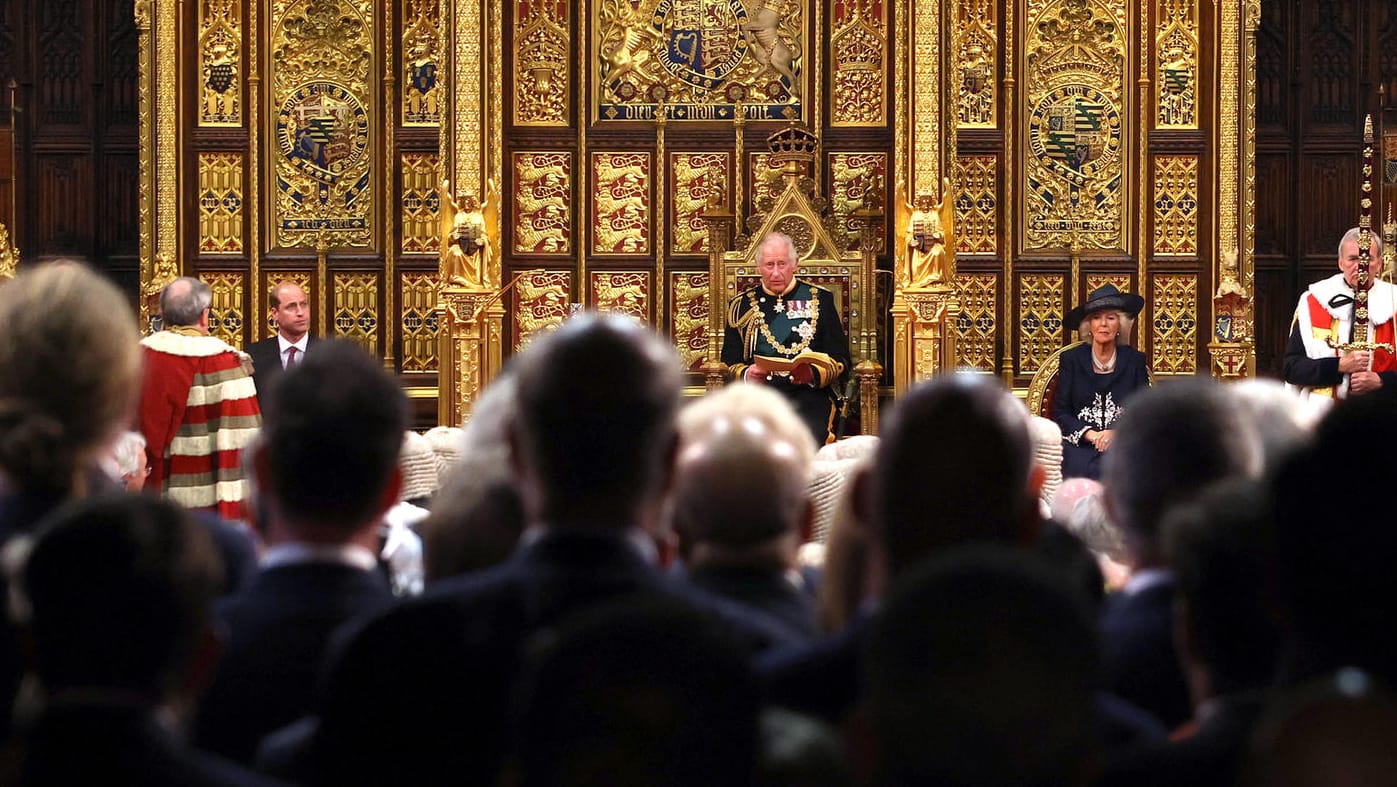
(332, 429)
(952, 467)
(638, 692)
(980, 670)
(597, 404)
(1172, 442)
(121, 589)
(1335, 549)
(1221, 549)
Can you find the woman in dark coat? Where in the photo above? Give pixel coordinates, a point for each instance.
(1097, 378)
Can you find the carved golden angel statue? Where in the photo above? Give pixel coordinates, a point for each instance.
(926, 228)
(468, 242)
(9, 256)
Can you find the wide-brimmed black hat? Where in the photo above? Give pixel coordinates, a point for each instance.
(1106, 297)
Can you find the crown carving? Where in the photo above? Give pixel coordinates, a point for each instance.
(793, 145)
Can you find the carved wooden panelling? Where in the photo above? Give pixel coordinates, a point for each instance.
(1040, 318)
(1175, 310)
(7, 40)
(620, 203)
(1329, 183)
(977, 209)
(698, 178)
(63, 181)
(221, 74)
(627, 292)
(1120, 281)
(421, 325)
(855, 177)
(858, 62)
(1272, 77)
(422, 63)
(540, 304)
(421, 204)
(689, 317)
(1176, 205)
(543, 203)
(975, 328)
(1176, 50)
(220, 203)
(119, 225)
(122, 71)
(1332, 90)
(63, 37)
(355, 315)
(1387, 50)
(1273, 204)
(542, 62)
(226, 317)
(976, 64)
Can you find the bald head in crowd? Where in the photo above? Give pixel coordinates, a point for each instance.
(954, 466)
(743, 467)
(594, 435)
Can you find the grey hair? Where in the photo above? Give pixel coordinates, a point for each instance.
(774, 238)
(1352, 235)
(184, 300)
(130, 453)
(1127, 324)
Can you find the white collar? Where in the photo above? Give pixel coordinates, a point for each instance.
(1382, 298)
(299, 552)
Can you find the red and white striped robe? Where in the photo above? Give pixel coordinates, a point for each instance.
(198, 411)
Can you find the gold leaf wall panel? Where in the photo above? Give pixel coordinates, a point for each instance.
(1075, 174)
(699, 57)
(975, 327)
(422, 89)
(421, 324)
(977, 207)
(858, 62)
(543, 203)
(855, 177)
(689, 317)
(1040, 318)
(541, 300)
(698, 178)
(270, 279)
(226, 315)
(1176, 50)
(977, 64)
(765, 179)
(355, 316)
(421, 204)
(620, 203)
(1120, 281)
(625, 292)
(220, 203)
(322, 55)
(220, 63)
(542, 62)
(1176, 205)
(1175, 309)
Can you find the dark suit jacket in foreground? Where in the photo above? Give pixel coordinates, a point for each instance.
(278, 631)
(421, 693)
(266, 361)
(1138, 657)
(114, 744)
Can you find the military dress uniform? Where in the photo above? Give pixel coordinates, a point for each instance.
(803, 320)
